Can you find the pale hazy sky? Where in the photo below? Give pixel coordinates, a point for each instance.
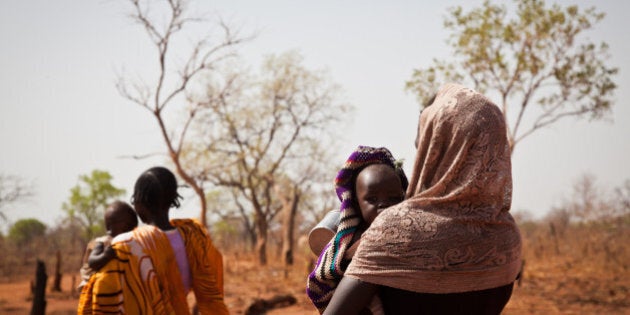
(61, 116)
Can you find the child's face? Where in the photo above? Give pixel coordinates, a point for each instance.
(377, 187)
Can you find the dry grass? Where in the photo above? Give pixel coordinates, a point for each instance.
(583, 270)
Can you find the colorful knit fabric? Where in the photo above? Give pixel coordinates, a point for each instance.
(331, 264)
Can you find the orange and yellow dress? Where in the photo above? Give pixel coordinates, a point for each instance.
(144, 277)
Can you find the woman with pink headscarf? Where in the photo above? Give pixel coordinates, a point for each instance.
(452, 246)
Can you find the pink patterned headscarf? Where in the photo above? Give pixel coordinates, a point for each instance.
(454, 233)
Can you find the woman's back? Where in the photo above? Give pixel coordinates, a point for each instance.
(402, 302)
(454, 232)
(452, 240)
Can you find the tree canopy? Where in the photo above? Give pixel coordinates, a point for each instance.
(265, 137)
(89, 199)
(535, 55)
(24, 230)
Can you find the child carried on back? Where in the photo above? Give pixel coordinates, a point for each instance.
(119, 218)
(370, 181)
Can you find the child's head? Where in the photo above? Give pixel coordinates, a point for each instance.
(370, 180)
(120, 218)
(154, 193)
(377, 187)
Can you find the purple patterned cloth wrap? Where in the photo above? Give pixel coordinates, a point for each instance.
(331, 264)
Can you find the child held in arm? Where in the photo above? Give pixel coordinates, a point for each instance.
(370, 181)
(119, 218)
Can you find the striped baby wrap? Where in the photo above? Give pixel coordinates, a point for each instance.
(333, 259)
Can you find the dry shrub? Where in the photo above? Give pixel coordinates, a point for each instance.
(579, 266)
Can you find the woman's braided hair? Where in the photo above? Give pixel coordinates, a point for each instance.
(156, 188)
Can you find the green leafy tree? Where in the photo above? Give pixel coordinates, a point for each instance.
(537, 55)
(25, 230)
(88, 200)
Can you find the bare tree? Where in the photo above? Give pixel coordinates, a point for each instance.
(560, 218)
(12, 189)
(622, 199)
(257, 130)
(585, 199)
(289, 195)
(174, 79)
(592, 203)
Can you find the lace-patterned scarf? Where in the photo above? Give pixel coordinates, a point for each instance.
(454, 232)
(331, 264)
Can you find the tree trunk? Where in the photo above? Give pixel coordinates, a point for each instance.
(57, 282)
(186, 177)
(202, 199)
(552, 231)
(39, 292)
(251, 236)
(261, 240)
(288, 225)
(73, 287)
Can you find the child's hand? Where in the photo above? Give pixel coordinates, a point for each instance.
(109, 253)
(101, 256)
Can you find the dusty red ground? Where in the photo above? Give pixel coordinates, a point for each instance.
(550, 288)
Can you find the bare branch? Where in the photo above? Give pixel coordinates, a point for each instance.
(12, 190)
(141, 156)
(548, 119)
(140, 97)
(160, 95)
(182, 135)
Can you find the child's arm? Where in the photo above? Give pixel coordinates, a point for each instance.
(100, 256)
(351, 296)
